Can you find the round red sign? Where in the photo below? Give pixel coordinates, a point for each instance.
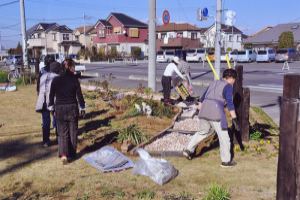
(166, 17)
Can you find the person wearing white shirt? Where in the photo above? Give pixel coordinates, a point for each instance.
(167, 78)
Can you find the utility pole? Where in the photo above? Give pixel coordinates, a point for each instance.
(152, 46)
(84, 30)
(24, 37)
(218, 37)
(0, 46)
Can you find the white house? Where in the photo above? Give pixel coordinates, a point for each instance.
(230, 37)
(51, 37)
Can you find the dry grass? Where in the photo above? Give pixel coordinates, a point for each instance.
(28, 171)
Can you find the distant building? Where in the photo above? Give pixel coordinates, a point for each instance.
(78, 35)
(263, 30)
(177, 36)
(230, 37)
(121, 33)
(3, 53)
(51, 37)
(269, 37)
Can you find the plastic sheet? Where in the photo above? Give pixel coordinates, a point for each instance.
(108, 159)
(158, 170)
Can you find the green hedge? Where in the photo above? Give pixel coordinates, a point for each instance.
(20, 81)
(3, 77)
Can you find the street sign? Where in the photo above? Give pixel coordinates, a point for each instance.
(199, 13)
(205, 12)
(166, 17)
(230, 18)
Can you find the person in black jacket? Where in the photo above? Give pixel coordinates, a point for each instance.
(66, 89)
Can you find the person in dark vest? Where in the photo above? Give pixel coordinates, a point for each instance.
(43, 99)
(167, 78)
(37, 65)
(212, 115)
(66, 89)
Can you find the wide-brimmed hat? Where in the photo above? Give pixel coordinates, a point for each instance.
(176, 59)
(55, 67)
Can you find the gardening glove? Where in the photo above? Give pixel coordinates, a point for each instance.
(236, 123)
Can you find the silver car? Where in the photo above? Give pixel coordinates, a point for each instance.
(14, 59)
(265, 55)
(289, 54)
(165, 56)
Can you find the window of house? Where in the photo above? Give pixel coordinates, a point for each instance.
(76, 38)
(203, 37)
(194, 36)
(117, 30)
(134, 32)
(54, 36)
(39, 35)
(92, 38)
(239, 38)
(163, 35)
(231, 38)
(101, 32)
(65, 36)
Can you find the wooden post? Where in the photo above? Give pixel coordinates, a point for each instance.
(245, 115)
(288, 184)
(238, 100)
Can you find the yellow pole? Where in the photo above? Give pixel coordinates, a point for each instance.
(212, 68)
(228, 62)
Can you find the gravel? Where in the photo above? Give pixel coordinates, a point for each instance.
(187, 124)
(170, 142)
(188, 112)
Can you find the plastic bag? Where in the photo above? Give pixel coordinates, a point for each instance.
(108, 159)
(158, 170)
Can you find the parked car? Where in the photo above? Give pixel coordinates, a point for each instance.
(165, 56)
(246, 55)
(232, 56)
(265, 55)
(197, 55)
(31, 61)
(288, 54)
(211, 56)
(60, 57)
(14, 59)
(73, 56)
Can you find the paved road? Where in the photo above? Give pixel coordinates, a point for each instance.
(265, 80)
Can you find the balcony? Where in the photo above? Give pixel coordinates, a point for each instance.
(183, 43)
(37, 42)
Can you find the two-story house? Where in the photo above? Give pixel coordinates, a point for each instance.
(177, 36)
(51, 37)
(78, 35)
(230, 37)
(121, 33)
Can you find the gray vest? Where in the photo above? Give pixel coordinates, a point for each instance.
(209, 109)
(45, 86)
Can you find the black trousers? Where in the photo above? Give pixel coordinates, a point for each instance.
(67, 126)
(166, 85)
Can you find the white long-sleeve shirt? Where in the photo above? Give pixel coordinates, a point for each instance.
(170, 69)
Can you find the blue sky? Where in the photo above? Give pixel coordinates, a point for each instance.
(251, 15)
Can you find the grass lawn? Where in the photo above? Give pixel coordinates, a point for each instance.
(29, 171)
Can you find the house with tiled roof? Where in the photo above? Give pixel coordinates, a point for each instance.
(175, 36)
(121, 33)
(51, 37)
(269, 38)
(230, 37)
(78, 35)
(263, 30)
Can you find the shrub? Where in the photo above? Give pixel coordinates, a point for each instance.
(216, 193)
(3, 77)
(235, 50)
(133, 133)
(137, 52)
(286, 40)
(229, 49)
(19, 81)
(248, 45)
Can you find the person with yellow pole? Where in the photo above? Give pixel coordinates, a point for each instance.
(212, 115)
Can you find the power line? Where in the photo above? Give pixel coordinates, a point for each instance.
(183, 11)
(295, 20)
(9, 3)
(10, 35)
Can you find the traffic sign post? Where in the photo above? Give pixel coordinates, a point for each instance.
(205, 12)
(166, 17)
